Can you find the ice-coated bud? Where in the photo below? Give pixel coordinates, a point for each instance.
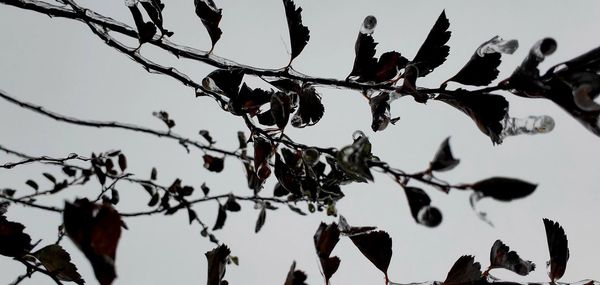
(369, 24)
(544, 47)
(429, 216)
(531, 125)
(498, 45)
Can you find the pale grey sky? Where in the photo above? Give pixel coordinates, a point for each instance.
(60, 64)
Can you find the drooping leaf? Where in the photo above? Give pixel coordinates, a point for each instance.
(443, 159)
(49, 177)
(58, 262)
(154, 9)
(221, 217)
(262, 153)
(153, 173)
(433, 51)
(503, 188)
(558, 246)
(232, 205)
(281, 106)
(96, 230)
(487, 110)
(464, 271)
(299, 34)
(310, 109)
(260, 221)
(210, 16)
(502, 257)
(217, 261)
(214, 164)
(32, 184)
(122, 162)
(146, 30)
(13, 241)
(419, 203)
(325, 239)
(192, 216)
(375, 246)
(295, 277)
(380, 110)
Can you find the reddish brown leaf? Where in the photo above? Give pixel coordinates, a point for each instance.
(465, 270)
(377, 247)
(558, 245)
(13, 241)
(57, 261)
(325, 240)
(217, 259)
(96, 230)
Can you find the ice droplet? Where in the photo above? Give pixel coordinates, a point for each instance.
(531, 125)
(130, 3)
(498, 45)
(544, 47)
(369, 24)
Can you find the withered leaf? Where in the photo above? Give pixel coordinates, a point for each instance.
(433, 51)
(96, 230)
(260, 221)
(375, 246)
(558, 245)
(217, 260)
(503, 188)
(13, 241)
(487, 110)
(214, 164)
(502, 257)
(295, 277)
(210, 16)
(325, 239)
(310, 109)
(464, 271)
(58, 262)
(299, 34)
(221, 217)
(154, 9)
(443, 159)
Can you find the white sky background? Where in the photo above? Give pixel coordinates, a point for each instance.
(61, 65)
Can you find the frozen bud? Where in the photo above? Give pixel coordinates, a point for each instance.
(369, 24)
(429, 216)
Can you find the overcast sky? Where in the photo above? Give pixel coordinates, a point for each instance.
(60, 64)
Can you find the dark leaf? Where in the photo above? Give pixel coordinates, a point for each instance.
(262, 153)
(286, 177)
(479, 70)
(210, 16)
(191, 215)
(375, 246)
(299, 34)
(310, 109)
(242, 140)
(353, 159)
(502, 257)
(100, 174)
(8, 192)
(281, 105)
(122, 162)
(388, 66)
(153, 174)
(175, 186)
(13, 241)
(154, 200)
(221, 217)
(287, 85)
(279, 190)
(558, 245)
(3, 207)
(164, 116)
(217, 259)
(113, 153)
(32, 184)
(110, 167)
(214, 164)
(419, 203)
(154, 9)
(206, 135)
(250, 100)
(443, 159)
(260, 221)
(297, 210)
(295, 277)
(504, 189)
(96, 230)
(464, 271)
(380, 110)
(205, 189)
(326, 237)
(146, 30)
(433, 51)
(266, 118)
(226, 80)
(57, 261)
(49, 177)
(487, 110)
(114, 196)
(232, 205)
(69, 171)
(149, 188)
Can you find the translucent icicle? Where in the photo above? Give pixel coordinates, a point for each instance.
(531, 125)
(368, 25)
(130, 3)
(497, 44)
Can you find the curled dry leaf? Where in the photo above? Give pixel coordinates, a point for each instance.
(464, 271)
(217, 260)
(58, 262)
(558, 245)
(96, 230)
(502, 257)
